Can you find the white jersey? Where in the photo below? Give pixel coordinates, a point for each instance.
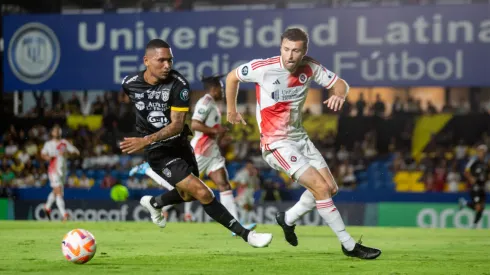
(56, 149)
(281, 95)
(207, 112)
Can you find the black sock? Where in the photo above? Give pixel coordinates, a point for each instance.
(219, 213)
(471, 205)
(478, 216)
(171, 197)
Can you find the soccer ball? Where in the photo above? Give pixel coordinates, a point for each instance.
(78, 246)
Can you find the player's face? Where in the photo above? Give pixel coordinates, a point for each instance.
(55, 132)
(159, 62)
(218, 92)
(481, 154)
(291, 53)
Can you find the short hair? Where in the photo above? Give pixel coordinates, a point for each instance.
(157, 44)
(295, 34)
(211, 81)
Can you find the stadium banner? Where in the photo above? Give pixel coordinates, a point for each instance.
(93, 122)
(381, 46)
(82, 210)
(428, 215)
(6, 207)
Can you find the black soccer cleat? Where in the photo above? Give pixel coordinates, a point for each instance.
(47, 212)
(289, 234)
(362, 252)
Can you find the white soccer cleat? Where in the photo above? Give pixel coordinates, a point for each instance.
(155, 214)
(259, 239)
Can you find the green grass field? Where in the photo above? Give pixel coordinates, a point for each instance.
(142, 248)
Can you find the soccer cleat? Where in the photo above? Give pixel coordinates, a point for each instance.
(362, 252)
(289, 234)
(140, 169)
(188, 218)
(462, 203)
(155, 214)
(47, 212)
(259, 239)
(250, 226)
(66, 217)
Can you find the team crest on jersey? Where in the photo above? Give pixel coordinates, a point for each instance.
(165, 94)
(184, 94)
(294, 158)
(245, 70)
(140, 105)
(303, 78)
(167, 172)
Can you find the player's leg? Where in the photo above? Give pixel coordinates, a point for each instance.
(188, 211)
(220, 178)
(50, 201)
(60, 202)
(145, 169)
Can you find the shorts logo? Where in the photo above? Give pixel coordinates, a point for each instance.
(167, 172)
(157, 119)
(34, 53)
(140, 105)
(303, 78)
(294, 158)
(245, 70)
(165, 94)
(184, 94)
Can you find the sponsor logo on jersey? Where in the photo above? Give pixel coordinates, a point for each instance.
(245, 70)
(157, 119)
(139, 96)
(155, 106)
(132, 79)
(303, 78)
(165, 94)
(275, 95)
(140, 105)
(184, 94)
(201, 111)
(167, 172)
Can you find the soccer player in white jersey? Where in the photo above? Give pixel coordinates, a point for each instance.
(56, 151)
(282, 83)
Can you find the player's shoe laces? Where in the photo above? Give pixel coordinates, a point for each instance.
(155, 214)
(462, 203)
(259, 239)
(362, 252)
(140, 169)
(288, 229)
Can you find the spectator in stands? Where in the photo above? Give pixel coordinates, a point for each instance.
(398, 108)
(74, 104)
(379, 107)
(360, 105)
(108, 181)
(11, 148)
(431, 108)
(453, 179)
(98, 106)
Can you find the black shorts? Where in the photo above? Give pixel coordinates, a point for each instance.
(173, 163)
(477, 194)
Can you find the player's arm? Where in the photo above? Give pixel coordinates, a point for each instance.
(174, 128)
(44, 153)
(197, 125)
(243, 73)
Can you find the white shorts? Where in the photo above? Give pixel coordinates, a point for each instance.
(210, 164)
(56, 180)
(290, 156)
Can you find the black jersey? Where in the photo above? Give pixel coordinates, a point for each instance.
(153, 104)
(478, 169)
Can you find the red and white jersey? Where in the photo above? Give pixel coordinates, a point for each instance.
(56, 149)
(207, 112)
(281, 94)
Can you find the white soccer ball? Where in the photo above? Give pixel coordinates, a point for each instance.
(78, 246)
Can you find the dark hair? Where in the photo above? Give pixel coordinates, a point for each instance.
(295, 34)
(211, 81)
(156, 44)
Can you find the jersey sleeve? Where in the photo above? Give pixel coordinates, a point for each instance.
(44, 151)
(322, 75)
(469, 165)
(251, 71)
(70, 148)
(181, 94)
(201, 110)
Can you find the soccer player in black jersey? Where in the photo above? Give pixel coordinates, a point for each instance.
(477, 173)
(161, 97)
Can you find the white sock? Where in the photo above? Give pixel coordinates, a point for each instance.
(332, 217)
(154, 176)
(49, 203)
(187, 207)
(305, 204)
(228, 201)
(167, 207)
(60, 202)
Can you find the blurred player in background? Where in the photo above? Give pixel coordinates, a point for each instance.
(282, 85)
(247, 182)
(477, 173)
(56, 151)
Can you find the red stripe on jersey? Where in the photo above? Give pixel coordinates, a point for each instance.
(275, 121)
(269, 61)
(200, 148)
(207, 99)
(279, 158)
(266, 64)
(331, 81)
(300, 77)
(257, 93)
(265, 61)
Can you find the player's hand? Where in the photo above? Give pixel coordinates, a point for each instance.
(335, 102)
(235, 118)
(220, 130)
(133, 144)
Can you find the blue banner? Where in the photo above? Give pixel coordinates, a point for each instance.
(399, 46)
